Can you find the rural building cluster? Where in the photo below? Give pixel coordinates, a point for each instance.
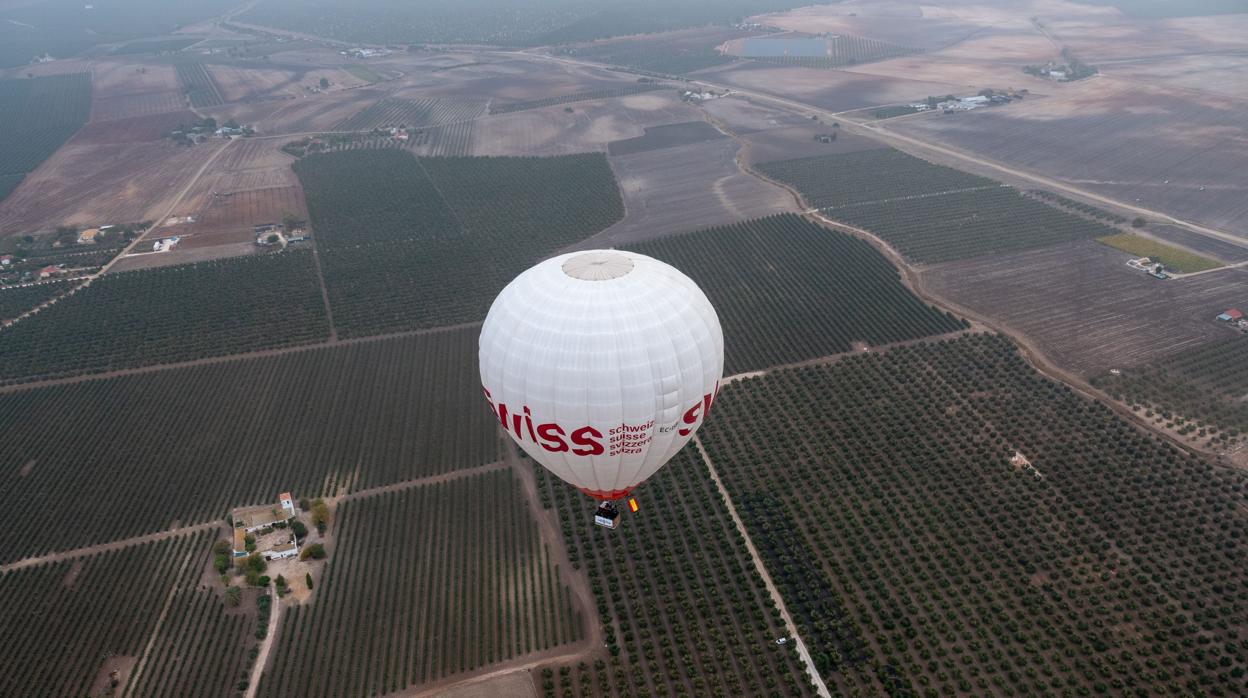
(265, 530)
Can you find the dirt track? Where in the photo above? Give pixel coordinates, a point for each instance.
(16, 387)
(761, 568)
(183, 530)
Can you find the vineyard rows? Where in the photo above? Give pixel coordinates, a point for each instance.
(114, 458)
(410, 242)
(170, 314)
(64, 621)
(882, 174)
(787, 289)
(37, 115)
(919, 555)
(605, 93)
(843, 51)
(683, 610)
(198, 84)
(425, 583)
(451, 140)
(409, 113)
(17, 300)
(968, 224)
(1200, 391)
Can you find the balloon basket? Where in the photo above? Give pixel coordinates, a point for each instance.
(607, 515)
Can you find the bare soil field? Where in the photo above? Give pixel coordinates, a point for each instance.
(741, 116)
(969, 75)
(1143, 146)
(320, 112)
(1019, 46)
(679, 189)
(799, 142)
(509, 80)
(517, 684)
(136, 129)
(241, 83)
(1099, 41)
(113, 78)
(229, 217)
(137, 104)
(669, 136)
(85, 184)
(183, 255)
(828, 89)
(125, 89)
(1086, 309)
(590, 126)
(1226, 75)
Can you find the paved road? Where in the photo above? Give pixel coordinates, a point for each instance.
(881, 132)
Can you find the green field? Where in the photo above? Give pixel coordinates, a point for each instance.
(36, 116)
(64, 621)
(919, 560)
(188, 444)
(1174, 258)
(787, 290)
(410, 243)
(362, 72)
(426, 583)
(170, 314)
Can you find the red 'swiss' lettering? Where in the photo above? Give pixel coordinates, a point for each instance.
(552, 438)
(691, 415)
(588, 441)
(592, 446)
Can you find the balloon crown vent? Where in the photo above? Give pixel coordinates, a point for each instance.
(601, 265)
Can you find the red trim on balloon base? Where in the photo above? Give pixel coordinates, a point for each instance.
(607, 496)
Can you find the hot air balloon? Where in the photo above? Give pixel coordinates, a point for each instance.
(601, 365)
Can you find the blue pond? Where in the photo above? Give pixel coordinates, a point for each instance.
(763, 47)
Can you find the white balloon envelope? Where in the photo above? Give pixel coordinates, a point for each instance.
(601, 365)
